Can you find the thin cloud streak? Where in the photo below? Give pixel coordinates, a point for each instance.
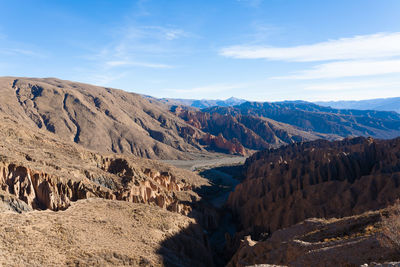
(372, 46)
(346, 69)
(134, 45)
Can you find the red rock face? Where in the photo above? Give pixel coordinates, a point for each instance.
(214, 140)
(317, 179)
(252, 132)
(220, 143)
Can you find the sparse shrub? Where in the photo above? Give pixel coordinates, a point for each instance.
(165, 226)
(390, 236)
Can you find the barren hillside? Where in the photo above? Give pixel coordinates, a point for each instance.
(103, 119)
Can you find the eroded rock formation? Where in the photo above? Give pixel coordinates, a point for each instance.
(58, 173)
(316, 179)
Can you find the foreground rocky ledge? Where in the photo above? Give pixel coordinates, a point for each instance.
(349, 241)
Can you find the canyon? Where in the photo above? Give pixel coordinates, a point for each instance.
(158, 183)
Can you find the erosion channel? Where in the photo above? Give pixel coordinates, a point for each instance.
(224, 173)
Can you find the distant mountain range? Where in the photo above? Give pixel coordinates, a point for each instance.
(384, 104)
(204, 103)
(380, 104)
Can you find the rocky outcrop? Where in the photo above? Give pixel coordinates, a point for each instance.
(12, 203)
(350, 241)
(40, 190)
(150, 186)
(316, 179)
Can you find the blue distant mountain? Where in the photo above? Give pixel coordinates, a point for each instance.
(382, 104)
(204, 103)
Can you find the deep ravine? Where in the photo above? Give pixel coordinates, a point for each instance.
(224, 180)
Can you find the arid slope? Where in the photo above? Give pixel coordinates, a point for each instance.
(98, 232)
(103, 119)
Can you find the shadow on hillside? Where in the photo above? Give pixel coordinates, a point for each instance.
(203, 243)
(189, 247)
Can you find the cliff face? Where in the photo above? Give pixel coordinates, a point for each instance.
(316, 179)
(40, 190)
(47, 173)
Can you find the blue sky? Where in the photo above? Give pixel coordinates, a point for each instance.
(264, 50)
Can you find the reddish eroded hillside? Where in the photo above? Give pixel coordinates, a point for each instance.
(312, 118)
(316, 179)
(252, 132)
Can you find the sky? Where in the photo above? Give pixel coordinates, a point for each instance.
(261, 50)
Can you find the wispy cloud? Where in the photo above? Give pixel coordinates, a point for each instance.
(358, 47)
(20, 52)
(12, 48)
(132, 47)
(351, 68)
(137, 46)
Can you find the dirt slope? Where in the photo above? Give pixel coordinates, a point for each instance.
(98, 232)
